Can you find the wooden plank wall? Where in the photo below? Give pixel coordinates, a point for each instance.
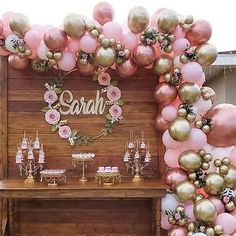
(82, 218)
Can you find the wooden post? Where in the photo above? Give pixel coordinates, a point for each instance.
(156, 214)
(11, 217)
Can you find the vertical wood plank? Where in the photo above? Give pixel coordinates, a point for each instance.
(156, 222)
(11, 217)
(3, 117)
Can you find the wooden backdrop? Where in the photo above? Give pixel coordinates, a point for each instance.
(21, 103)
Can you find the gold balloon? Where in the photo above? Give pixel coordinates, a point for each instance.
(74, 25)
(230, 178)
(179, 129)
(185, 191)
(104, 57)
(206, 54)
(214, 184)
(138, 19)
(19, 24)
(205, 211)
(167, 21)
(189, 92)
(190, 160)
(163, 64)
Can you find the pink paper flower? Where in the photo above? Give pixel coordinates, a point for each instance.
(52, 116)
(64, 131)
(50, 97)
(104, 79)
(115, 111)
(226, 199)
(121, 53)
(113, 93)
(177, 216)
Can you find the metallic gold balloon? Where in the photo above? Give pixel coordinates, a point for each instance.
(189, 92)
(206, 54)
(167, 21)
(185, 191)
(19, 24)
(74, 25)
(104, 57)
(190, 160)
(179, 129)
(214, 184)
(205, 211)
(163, 64)
(218, 229)
(138, 19)
(230, 178)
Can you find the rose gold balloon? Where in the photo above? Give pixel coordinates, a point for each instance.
(223, 129)
(165, 93)
(103, 12)
(17, 63)
(161, 124)
(175, 176)
(177, 231)
(55, 39)
(199, 33)
(144, 55)
(86, 69)
(220, 208)
(127, 68)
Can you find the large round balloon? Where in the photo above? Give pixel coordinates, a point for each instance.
(144, 55)
(223, 129)
(185, 191)
(138, 19)
(16, 62)
(175, 176)
(127, 68)
(177, 231)
(104, 57)
(74, 25)
(214, 184)
(19, 24)
(205, 211)
(189, 92)
(230, 178)
(103, 12)
(161, 124)
(55, 39)
(163, 64)
(190, 160)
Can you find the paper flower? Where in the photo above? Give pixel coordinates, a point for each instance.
(226, 199)
(50, 97)
(52, 116)
(104, 79)
(115, 111)
(177, 216)
(113, 93)
(64, 131)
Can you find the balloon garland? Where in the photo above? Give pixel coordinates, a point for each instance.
(200, 140)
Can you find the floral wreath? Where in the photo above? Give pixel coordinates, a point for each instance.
(74, 136)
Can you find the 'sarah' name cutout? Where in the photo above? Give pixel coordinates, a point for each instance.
(75, 107)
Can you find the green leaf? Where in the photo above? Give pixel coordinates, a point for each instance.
(95, 77)
(108, 116)
(45, 109)
(114, 83)
(63, 122)
(74, 132)
(54, 128)
(58, 90)
(120, 102)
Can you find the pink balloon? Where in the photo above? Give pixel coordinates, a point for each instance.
(189, 211)
(1, 28)
(112, 30)
(202, 80)
(232, 156)
(129, 40)
(42, 51)
(6, 18)
(227, 221)
(125, 28)
(103, 12)
(177, 62)
(88, 44)
(180, 45)
(179, 33)
(3, 52)
(169, 142)
(67, 62)
(73, 45)
(34, 54)
(171, 157)
(32, 38)
(191, 72)
(153, 19)
(169, 112)
(177, 231)
(39, 28)
(220, 208)
(164, 222)
(197, 139)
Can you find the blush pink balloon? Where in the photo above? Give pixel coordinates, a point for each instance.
(1, 28)
(227, 221)
(112, 30)
(73, 45)
(220, 208)
(103, 12)
(42, 51)
(191, 72)
(177, 231)
(34, 54)
(153, 19)
(179, 33)
(171, 157)
(169, 142)
(164, 222)
(169, 112)
(6, 18)
(202, 80)
(232, 156)
(67, 62)
(32, 39)
(39, 28)
(197, 139)
(129, 40)
(88, 44)
(3, 52)
(180, 45)
(189, 211)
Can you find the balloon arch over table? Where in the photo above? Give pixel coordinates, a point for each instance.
(200, 139)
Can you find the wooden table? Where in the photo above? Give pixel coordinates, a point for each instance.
(16, 189)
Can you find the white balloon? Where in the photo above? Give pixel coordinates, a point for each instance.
(202, 105)
(220, 153)
(42, 51)
(169, 202)
(199, 234)
(177, 62)
(11, 42)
